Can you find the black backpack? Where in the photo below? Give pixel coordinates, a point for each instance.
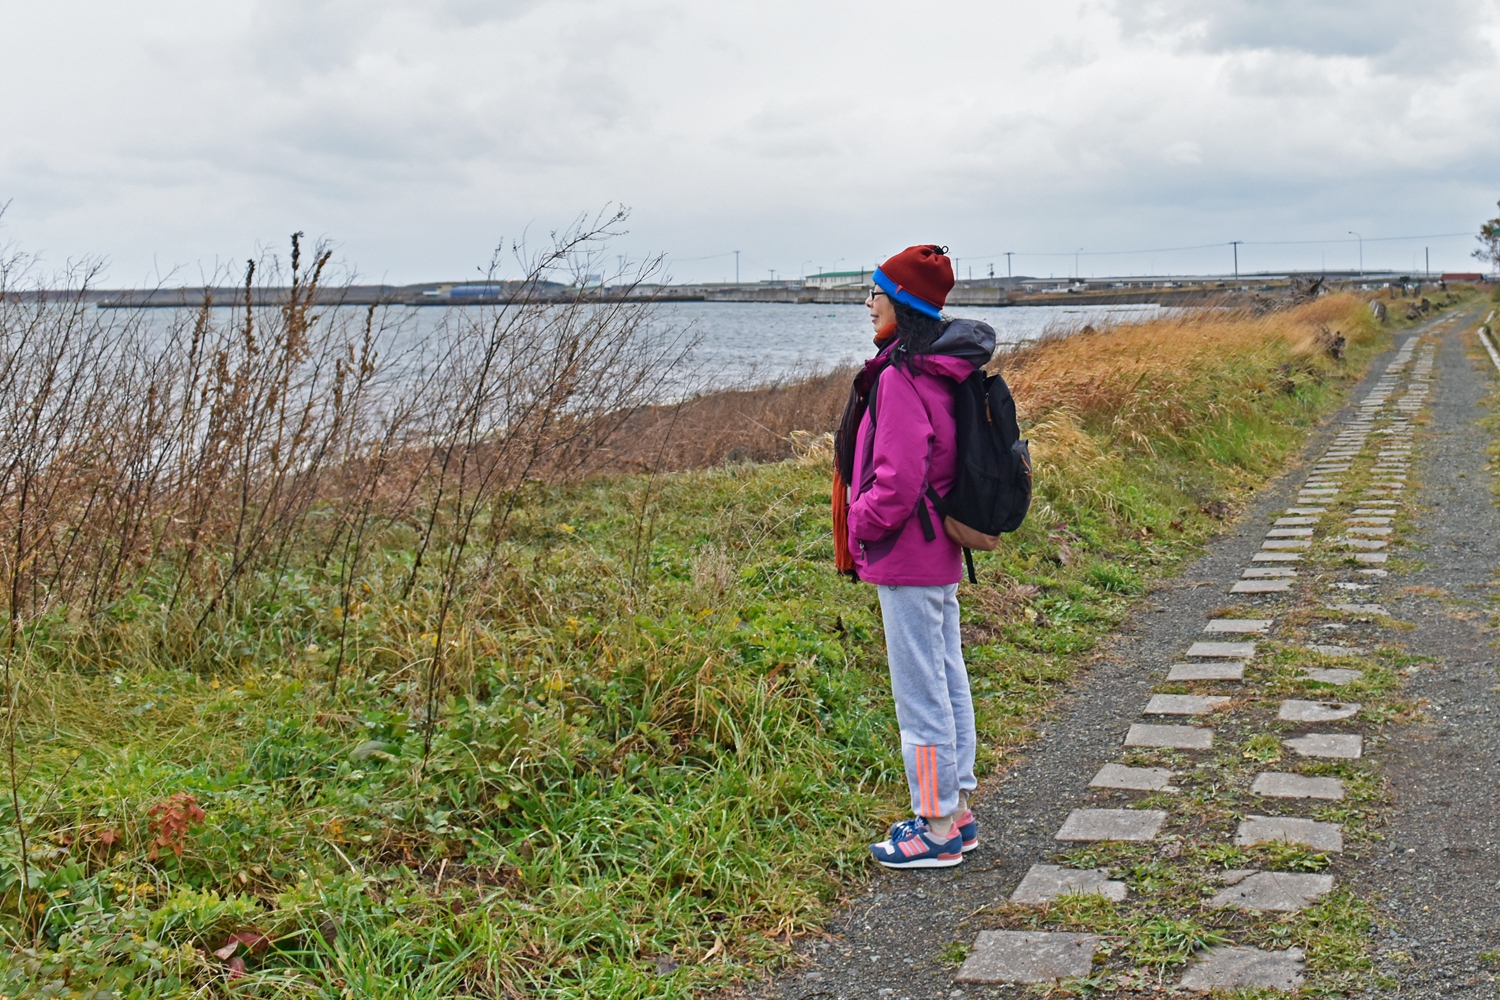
(991, 492)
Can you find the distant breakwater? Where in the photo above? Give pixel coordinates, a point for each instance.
(963, 294)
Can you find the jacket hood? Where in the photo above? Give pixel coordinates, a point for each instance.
(970, 339)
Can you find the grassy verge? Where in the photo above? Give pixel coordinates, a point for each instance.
(666, 736)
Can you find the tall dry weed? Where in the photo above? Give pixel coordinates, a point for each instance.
(176, 457)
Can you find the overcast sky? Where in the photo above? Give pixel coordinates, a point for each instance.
(164, 134)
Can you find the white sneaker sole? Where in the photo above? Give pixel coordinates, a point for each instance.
(924, 863)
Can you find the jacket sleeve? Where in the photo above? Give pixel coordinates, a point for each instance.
(903, 450)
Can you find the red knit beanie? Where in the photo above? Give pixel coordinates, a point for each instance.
(920, 277)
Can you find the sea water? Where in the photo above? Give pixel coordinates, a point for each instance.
(733, 343)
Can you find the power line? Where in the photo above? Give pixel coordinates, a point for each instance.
(1206, 246)
(712, 256)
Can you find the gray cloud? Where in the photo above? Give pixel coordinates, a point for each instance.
(1395, 36)
(421, 132)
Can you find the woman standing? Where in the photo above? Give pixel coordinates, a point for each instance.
(896, 442)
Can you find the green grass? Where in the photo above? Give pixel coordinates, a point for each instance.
(667, 735)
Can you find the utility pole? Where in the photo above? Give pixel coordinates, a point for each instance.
(1075, 262)
(736, 267)
(1427, 255)
(1008, 255)
(1361, 251)
(992, 270)
(1236, 245)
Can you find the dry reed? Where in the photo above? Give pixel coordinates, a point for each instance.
(174, 458)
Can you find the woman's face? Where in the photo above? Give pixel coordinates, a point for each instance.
(882, 312)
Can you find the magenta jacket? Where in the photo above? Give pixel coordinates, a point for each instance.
(911, 446)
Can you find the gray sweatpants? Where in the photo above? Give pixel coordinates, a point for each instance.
(933, 705)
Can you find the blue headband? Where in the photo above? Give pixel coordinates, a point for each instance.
(904, 297)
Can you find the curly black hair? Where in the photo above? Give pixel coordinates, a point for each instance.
(917, 330)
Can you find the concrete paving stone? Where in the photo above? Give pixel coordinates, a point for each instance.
(1285, 544)
(1332, 675)
(1223, 650)
(1170, 737)
(1265, 572)
(1295, 710)
(1372, 572)
(1371, 557)
(1276, 785)
(1377, 511)
(1044, 883)
(1262, 587)
(1289, 533)
(1343, 746)
(1388, 486)
(1028, 957)
(1268, 829)
(1233, 968)
(1111, 824)
(1360, 609)
(1378, 521)
(1206, 672)
(1277, 892)
(1317, 492)
(1364, 531)
(1185, 704)
(1238, 625)
(1276, 557)
(1295, 522)
(1363, 544)
(1139, 779)
(1307, 510)
(1325, 649)
(1319, 483)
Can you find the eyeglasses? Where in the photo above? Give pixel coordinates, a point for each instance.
(877, 291)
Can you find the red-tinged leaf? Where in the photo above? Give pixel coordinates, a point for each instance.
(236, 967)
(253, 939)
(228, 950)
(108, 838)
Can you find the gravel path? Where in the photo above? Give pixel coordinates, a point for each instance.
(1435, 873)
(1439, 872)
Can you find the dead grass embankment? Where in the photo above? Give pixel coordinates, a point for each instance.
(1138, 378)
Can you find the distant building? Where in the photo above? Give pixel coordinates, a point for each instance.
(835, 279)
(1463, 276)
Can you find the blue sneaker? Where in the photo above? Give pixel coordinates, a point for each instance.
(917, 847)
(968, 828)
